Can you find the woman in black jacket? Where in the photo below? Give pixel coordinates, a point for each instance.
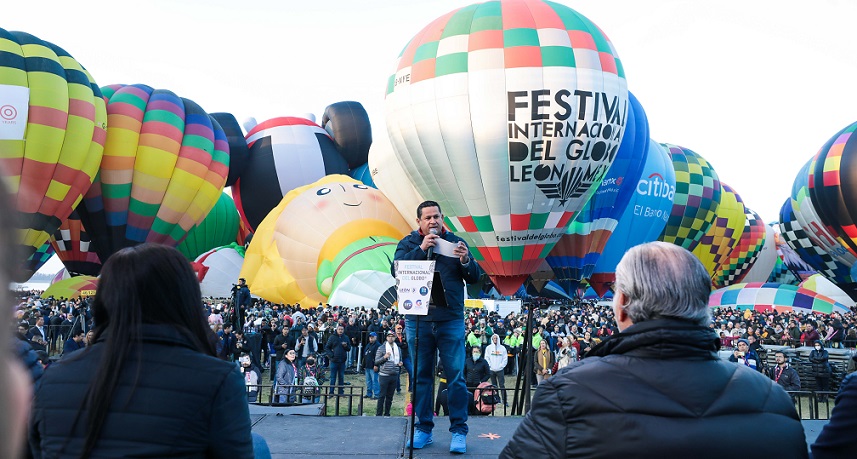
(818, 357)
(149, 385)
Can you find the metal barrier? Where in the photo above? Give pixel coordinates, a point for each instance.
(814, 405)
(297, 395)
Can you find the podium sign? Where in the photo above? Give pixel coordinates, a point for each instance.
(413, 286)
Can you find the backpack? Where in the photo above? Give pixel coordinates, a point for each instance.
(485, 398)
(310, 386)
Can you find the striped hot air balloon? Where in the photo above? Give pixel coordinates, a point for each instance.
(75, 249)
(165, 163)
(51, 135)
(219, 228)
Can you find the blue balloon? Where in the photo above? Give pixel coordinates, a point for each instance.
(575, 255)
(644, 217)
(363, 174)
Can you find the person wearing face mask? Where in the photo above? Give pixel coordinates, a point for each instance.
(388, 359)
(476, 370)
(818, 358)
(310, 371)
(251, 376)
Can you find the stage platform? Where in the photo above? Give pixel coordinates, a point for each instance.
(296, 436)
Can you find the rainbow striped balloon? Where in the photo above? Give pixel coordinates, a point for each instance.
(51, 136)
(165, 164)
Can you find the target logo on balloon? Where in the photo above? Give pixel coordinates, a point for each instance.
(8, 112)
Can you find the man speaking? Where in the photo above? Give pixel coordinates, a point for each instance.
(443, 328)
(658, 389)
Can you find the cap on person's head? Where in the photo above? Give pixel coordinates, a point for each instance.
(371, 334)
(742, 340)
(391, 333)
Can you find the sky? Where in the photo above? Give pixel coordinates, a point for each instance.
(755, 87)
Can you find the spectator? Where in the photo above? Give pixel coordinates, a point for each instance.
(784, 374)
(742, 355)
(810, 335)
(307, 345)
(287, 378)
(388, 359)
(476, 369)
(311, 369)
(148, 316)
(73, 343)
(543, 360)
(821, 370)
(252, 376)
(497, 357)
(660, 379)
(373, 389)
(337, 348)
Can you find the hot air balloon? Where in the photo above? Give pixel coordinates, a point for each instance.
(219, 228)
(724, 233)
(165, 164)
(75, 249)
(51, 135)
(820, 259)
(696, 197)
(73, 287)
(218, 269)
(37, 260)
(791, 260)
(744, 253)
(823, 286)
(239, 154)
(644, 217)
(573, 258)
(833, 187)
(782, 275)
(390, 178)
(363, 174)
(508, 114)
(348, 124)
(285, 153)
(806, 214)
(761, 269)
(318, 237)
(764, 297)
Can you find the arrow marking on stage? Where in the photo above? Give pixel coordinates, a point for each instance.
(490, 436)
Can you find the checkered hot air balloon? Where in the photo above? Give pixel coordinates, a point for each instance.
(165, 164)
(833, 186)
(724, 233)
(508, 114)
(51, 135)
(806, 214)
(697, 192)
(744, 253)
(37, 259)
(74, 247)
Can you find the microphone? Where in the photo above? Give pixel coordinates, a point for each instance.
(430, 252)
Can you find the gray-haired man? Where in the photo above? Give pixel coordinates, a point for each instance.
(658, 388)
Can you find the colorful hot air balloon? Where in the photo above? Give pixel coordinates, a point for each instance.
(833, 186)
(508, 113)
(792, 231)
(285, 153)
(696, 197)
(821, 285)
(573, 258)
(51, 135)
(37, 260)
(761, 269)
(744, 253)
(764, 297)
(219, 228)
(782, 275)
(805, 212)
(791, 259)
(348, 124)
(165, 164)
(75, 249)
(644, 218)
(724, 233)
(321, 235)
(73, 287)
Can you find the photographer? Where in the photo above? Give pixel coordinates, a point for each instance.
(744, 356)
(307, 345)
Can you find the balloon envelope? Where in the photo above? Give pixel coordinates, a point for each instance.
(165, 163)
(744, 254)
(764, 297)
(219, 228)
(218, 269)
(696, 197)
(508, 114)
(51, 138)
(724, 233)
(74, 247)
(73, 287)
